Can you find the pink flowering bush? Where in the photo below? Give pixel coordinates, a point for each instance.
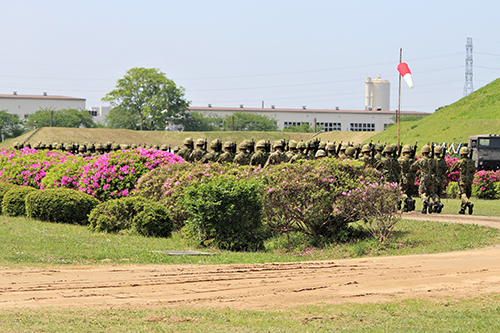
(320, 198)
(28, 167)
(485, 184)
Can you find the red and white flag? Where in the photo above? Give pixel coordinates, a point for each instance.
(404, 70)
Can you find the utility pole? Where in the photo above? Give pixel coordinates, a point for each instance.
(468, 88)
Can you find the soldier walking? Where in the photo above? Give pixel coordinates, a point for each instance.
(467, 168)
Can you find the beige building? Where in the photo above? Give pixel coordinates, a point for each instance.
(25, 105)
(324, 119)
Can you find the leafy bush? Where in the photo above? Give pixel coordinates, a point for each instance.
(226, 213)
(4, 188)
(60, 205)
(133, 215)
(14, 201)
(483, 185)
(309, 197)
(452, 191)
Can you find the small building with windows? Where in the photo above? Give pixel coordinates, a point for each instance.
(24, 105)
(321, 119)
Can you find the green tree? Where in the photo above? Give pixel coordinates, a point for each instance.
(60, 118)
(250, 122)
(11, 125)
(303, 128)
(201, 122)
(145, 99)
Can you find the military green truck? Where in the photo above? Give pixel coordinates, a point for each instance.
(484, 150)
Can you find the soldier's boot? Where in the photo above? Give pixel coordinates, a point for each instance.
(470, 205)
(399, 204)
(438, 207)
(461, 211)
(429, 207)
(411, 205)
(424, 208)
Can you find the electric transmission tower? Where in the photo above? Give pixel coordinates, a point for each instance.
(468, 88)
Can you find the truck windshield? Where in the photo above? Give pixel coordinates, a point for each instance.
(489, 142)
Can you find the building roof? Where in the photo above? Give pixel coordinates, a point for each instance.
(302, 110)
(44, 96)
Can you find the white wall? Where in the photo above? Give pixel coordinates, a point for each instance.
(28, 104)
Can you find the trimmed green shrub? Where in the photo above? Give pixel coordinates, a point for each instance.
(4, 188)
(133, 215)
(227, 213)
(14, 201)
(60, 205)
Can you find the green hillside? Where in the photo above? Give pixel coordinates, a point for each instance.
(478, 113)
(80, 135)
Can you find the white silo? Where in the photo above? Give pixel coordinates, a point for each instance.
(378, 94)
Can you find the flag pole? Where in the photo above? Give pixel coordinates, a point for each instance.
(398, 111)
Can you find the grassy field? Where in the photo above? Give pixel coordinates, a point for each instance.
(480, 314)
(478, 113)
(27, 242)
(102, 135)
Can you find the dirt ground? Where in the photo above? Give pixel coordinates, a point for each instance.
(274, 286)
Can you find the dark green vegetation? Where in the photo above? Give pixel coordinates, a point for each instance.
(478, 113)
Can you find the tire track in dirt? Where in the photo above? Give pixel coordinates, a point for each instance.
(261, 286)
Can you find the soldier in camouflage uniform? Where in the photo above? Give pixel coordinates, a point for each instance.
(330, 150)
(367, 157)
(186, 151)
(301, 155)
(199, 152)
(216, 147)
(243, 156)
(379, 148)
(292, 146)
(441, 174)
(407, 178)
(467, 169)
(278, 156)
(342, 154)
(259, 158)
(320, 154)
(310, 150)
(227, 156)
(349, 153)
(427, 167)
(388, 166)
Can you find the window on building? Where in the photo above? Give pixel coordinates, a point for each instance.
(92, 113)
(362, 127)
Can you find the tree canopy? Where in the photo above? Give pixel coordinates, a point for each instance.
(10, 125)
(145, 99)
(59, 118)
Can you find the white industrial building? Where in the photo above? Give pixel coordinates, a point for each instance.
(324, 119)
(25, 105)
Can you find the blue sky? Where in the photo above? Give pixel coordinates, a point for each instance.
(287, 53)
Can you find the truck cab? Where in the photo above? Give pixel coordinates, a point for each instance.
(484, 150)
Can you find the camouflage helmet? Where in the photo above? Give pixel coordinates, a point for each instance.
(426, 149)
(350, 151)
(215, 144)
(438, 149)
(124, 146)
(115, 146)
(366, 149)
(16, 144)
(260, 144)
(188, 141)
(91, 146)
(464, 151)
(379, 147)
(200, 142)
(228, 144)
(37, 145)
(343, 147)
(98, 146)
(243, 145)
(59, 146)
(292, 144)
(407, 149)
(387, 150)
(164, 147)
(301, 145)
(176, 149)
(322, 145)
(330, 146)
(278, 144)
(82, 148)
(156, 146)
(68, 146)
(320, 153)
(133, 146)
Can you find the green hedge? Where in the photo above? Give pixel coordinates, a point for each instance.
(134, 215)
(60, 205)
(4, 188)
(14, 201)
(226, 213)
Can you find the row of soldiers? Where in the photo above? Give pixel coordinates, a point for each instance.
(397, 164)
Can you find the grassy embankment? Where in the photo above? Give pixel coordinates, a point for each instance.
(478, 113)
